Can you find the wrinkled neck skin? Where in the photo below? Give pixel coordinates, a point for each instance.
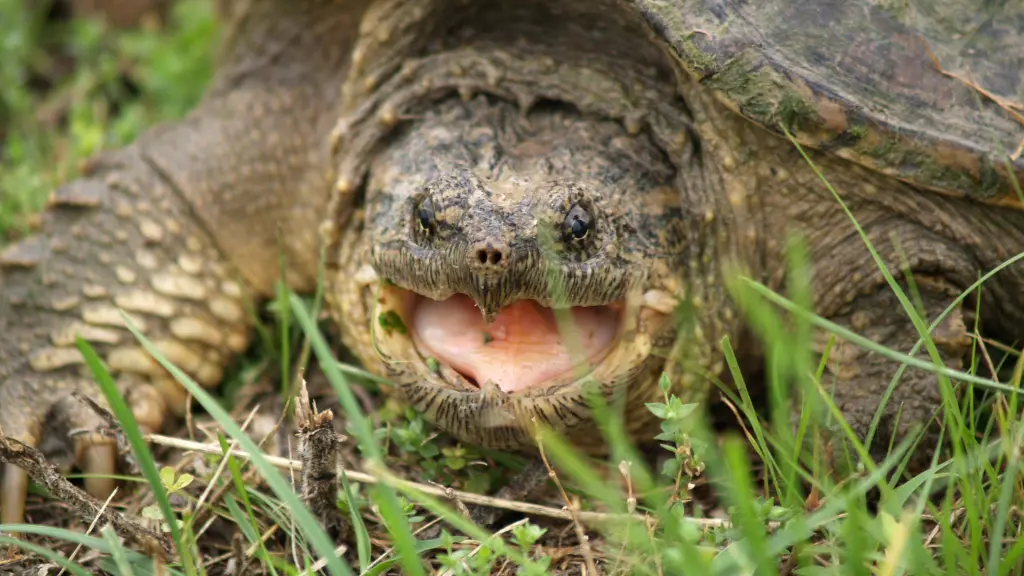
(555, 231)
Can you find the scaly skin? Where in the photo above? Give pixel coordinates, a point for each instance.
(501, 184)
(165, 226)
(179, 229)
(743, 192)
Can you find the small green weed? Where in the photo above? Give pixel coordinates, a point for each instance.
(172, 483)
(688, 452)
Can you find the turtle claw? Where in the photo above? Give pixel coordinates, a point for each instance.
(96, 456)
(13, 492)
(64, 429)
(98, 460)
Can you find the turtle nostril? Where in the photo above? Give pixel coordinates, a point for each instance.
(488, 255)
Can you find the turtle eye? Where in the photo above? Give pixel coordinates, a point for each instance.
(426, 216)
(577, 223)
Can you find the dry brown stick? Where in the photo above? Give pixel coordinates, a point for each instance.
(450, 494)
(1010, 107)
(340, 552)
(88, 531)
(85, 506)
(228, 485)
(238, 553)
(468, 497)
(211, 484)
(318, 449)
(291, 517)
(573, 508)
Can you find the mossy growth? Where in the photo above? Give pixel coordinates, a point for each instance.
(857, 130)
(698, 59)
(390, 321)
(795, 113)
(916, 162)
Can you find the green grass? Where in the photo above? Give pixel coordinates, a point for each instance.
(788, 516)
(69, 89)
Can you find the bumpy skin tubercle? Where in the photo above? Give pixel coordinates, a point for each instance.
(179, 230)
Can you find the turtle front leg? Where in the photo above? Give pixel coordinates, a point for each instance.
(858, 378)
(173, 230)
(119, 238)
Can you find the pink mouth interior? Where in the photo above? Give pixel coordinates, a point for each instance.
(521, 349)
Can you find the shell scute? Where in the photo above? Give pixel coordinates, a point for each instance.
(932, 94)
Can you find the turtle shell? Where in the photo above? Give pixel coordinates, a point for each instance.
(928, 91)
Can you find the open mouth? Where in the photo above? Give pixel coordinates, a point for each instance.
(527, 346)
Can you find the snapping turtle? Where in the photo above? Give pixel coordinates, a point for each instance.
(518, 198)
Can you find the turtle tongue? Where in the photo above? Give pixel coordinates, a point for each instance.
(521, 349)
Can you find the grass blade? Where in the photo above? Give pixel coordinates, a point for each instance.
(281, 487)
(117, 552)
(358, 526)
(387, 500)
(871, 345)
(140, 449)
(51, 555)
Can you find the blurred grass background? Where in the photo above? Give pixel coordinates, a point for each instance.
(77, 76)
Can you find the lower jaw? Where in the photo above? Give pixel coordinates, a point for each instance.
(496, 420)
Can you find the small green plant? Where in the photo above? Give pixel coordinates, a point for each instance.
(480, 561)
(526, 536)
(413, 437)
(172, 483)
(466, 561)
(437, 457)
(677, 426)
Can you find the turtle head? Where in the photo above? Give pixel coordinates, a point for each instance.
(514, 234)
(517, 258)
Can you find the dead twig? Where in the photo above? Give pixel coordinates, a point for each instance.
(212, 482)
(111, 429)
(573, 507)
(88, 531)
(450, 494)
(318, 449)
(321, 563)
(467, 497)
(1010, 107)
(85, 506)
(238, 555)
